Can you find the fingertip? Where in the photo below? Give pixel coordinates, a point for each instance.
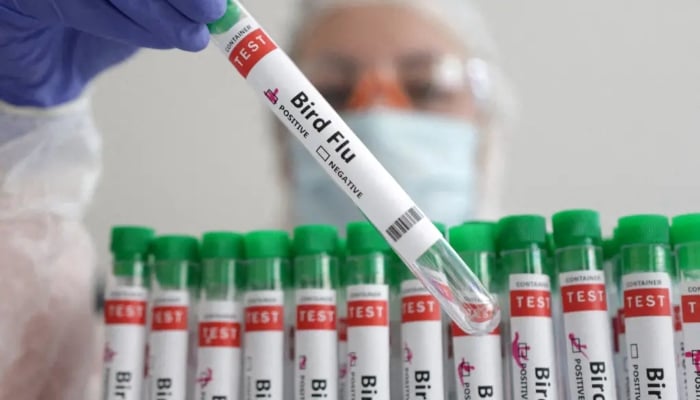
(194, 39)
(218, 9)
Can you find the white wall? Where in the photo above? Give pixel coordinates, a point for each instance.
(609, 119)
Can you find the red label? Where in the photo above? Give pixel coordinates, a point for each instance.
(588, 297)
(691, 308)
(647, 303)
(219, 334)
(530, 303)
(170, 318)
(368, 313)
(250, 50)
(621, 321)
(125, 312)
(264, 318)
(343, 329)
(420, 308)
(457, 331)
(316, 317)
(677, 319)
(615, 333)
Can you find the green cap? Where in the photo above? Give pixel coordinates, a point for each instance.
(131, 242)
(473, 236)
(175, 254)
(364, 238)
(521, 231)
(222, 245)
(315, 239)
(643, 229)
(576, 228)
(685, 229)
(267, 244)
(610, 249)
(227, 21)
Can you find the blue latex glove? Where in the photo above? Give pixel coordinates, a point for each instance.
(50, 49)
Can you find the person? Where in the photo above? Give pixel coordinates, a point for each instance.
(418, 82)
(50, 52)
(415, 79)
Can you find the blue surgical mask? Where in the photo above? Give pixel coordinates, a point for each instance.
(433, 157)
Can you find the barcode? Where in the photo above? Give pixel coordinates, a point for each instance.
(404, 223)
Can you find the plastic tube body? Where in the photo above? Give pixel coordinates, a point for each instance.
(533, 361)
(688, 257)
(368, 327)
(125, 313)
(478, 366)
(219, 333)
(316, 339)
(264, 350)
(342, 342)
(302, 109)
(586, 322)
(646, 283)
(168, 340)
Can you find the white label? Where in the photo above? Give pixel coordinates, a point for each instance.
(219, 351)
(302, 109)
(168, 346)
(125, 340)
(316, 339)
(368, 342)
(478, 367)
(421, 343)
(589, 348)
(342, 357)
(532, 339)
(623, 391)
(263, 356)
(651, 363)
(690, 311)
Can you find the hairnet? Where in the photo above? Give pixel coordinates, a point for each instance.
(488, 84)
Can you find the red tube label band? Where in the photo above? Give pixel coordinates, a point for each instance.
(691, 308)
(264, 318)
(250, 51)
(419, 308)
(169, 318)
(316, 317)
(368, 313)
(131, 312)
(458, 332)
(530, 303)
(647, 302)
(584, 298)
(219, 334)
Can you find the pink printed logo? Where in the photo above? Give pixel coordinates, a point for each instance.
(272, 95)
(694, 356)
(464, 370)
(205, 377)
(408, 354)
(520, 350)
(576, 346)
(343, 370)
(352, 357)
(302, 362)
(109, 354)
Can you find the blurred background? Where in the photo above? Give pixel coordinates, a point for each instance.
(607, 96)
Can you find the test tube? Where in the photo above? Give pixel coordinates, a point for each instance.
(420, 339)
(174, 260)
(125, 311)
(685, 231)
(622, 374)
(368, 313)
(302, 109)
(342, 321)
(646, 282)
(478, 366)
(315, 273)
(522, 243)
(220, 330)
(588, 350)
(268, 275)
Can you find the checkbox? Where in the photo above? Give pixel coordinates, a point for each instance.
(634, 350)
(322, 153)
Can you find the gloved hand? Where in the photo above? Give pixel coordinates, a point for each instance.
(50, 49)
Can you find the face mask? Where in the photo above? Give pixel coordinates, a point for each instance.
(432, 157)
